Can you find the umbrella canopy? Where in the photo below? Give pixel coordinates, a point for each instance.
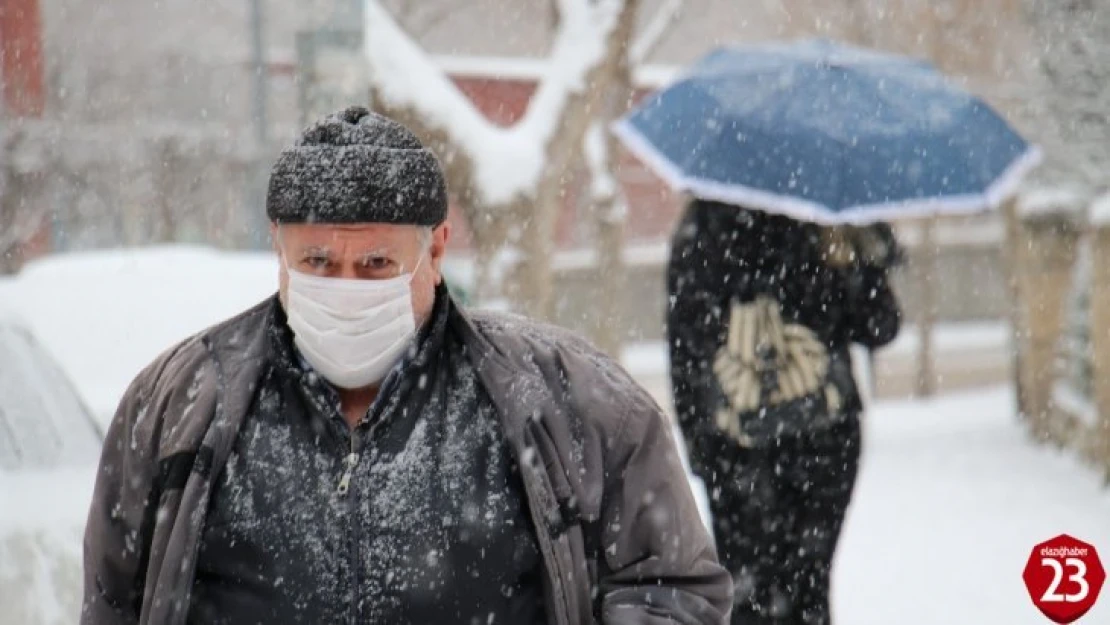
(827, 133)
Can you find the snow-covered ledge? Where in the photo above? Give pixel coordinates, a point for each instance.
(1099, 213)
(1049, 203)
(533, 69)
(603, 185)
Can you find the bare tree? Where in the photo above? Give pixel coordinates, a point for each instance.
(1069, 103)
(608, 208)
(509, 182)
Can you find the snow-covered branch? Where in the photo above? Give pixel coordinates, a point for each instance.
(602, 183)
(507, 162)
(653, 33)
(604, 187)
(405, 76)
(579, 47)
(605, 190)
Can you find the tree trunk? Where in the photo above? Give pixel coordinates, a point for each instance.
(533, 291)
(1017, 328)
(926, 280)
(164, 230)
(611, 275)
(608, 211)
(486, 242)
(483, 289)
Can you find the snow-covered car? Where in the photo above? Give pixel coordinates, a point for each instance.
(49, 444)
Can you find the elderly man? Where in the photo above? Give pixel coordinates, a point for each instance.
(359, 449)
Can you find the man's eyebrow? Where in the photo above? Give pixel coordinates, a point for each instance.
(381, 250)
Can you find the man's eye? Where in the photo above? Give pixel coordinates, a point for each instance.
(316, 262)
(378, 262)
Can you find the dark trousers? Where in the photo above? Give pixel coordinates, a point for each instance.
(777, 518)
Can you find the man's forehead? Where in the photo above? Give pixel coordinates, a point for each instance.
(361, 236)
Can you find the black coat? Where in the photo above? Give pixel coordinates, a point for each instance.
(432, 525)
(720, 253)
(614, 519)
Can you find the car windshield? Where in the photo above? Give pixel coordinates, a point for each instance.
(43, 423)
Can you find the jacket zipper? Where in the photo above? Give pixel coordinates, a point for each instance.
(350, 461)
(342, 490)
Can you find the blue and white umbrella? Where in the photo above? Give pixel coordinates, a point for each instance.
(827, 133)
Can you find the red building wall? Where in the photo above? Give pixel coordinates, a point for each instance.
(22, 79)
(22, 86)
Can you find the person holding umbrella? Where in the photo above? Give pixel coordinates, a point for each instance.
(797, 154)
(754, 296)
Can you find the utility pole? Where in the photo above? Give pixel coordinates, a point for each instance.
(258, 171)
(260, 91)
(927, 316)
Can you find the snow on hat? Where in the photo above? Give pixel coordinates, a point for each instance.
(355, 166)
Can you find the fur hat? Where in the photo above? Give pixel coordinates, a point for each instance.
(355, 166)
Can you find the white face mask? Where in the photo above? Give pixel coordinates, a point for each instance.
(352, 332)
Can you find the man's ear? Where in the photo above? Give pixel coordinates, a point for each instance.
(275, 237)
(441, 234)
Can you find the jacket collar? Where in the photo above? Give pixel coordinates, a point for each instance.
(241, 349)
(499, 368)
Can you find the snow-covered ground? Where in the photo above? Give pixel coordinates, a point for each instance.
(42, 517)
(951, 498)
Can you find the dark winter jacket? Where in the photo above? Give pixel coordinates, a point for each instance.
(722, 253)
(618, 531)
(418, 515)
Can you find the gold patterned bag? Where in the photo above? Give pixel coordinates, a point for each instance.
(774, 376)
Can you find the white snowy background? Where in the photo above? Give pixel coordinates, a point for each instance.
(952, 493)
